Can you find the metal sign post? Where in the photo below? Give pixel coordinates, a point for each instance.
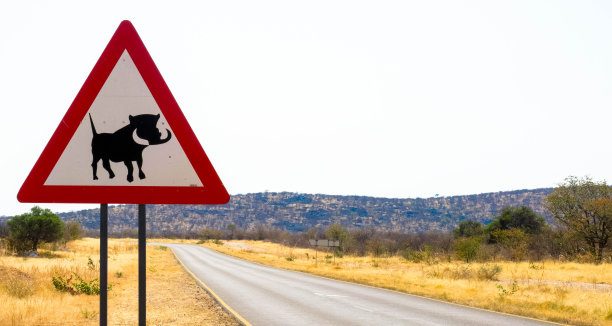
(103, 262)
(142, 265)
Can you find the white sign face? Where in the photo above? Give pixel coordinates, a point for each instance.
(324, 243)
(126, 129)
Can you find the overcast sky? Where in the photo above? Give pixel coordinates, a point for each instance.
(377, 98)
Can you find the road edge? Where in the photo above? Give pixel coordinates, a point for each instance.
(212, 293)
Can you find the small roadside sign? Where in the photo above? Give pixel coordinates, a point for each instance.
(324, 243)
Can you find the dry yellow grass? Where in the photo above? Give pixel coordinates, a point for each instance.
(28, 296)
(562, 292)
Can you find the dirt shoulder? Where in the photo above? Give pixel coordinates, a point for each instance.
(29, 297)
(175, 298)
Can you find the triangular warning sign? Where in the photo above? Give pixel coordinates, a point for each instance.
(124, 139)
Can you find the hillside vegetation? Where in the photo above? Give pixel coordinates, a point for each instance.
(299, 212)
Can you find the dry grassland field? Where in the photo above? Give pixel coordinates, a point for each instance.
(29, 297)
(563, 292)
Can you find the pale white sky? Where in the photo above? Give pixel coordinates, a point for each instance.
(378, 98)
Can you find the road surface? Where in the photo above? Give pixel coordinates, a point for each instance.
(263, 295)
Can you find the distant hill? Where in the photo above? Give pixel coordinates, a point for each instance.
(299, 212)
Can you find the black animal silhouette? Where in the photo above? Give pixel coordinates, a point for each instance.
(120, 146)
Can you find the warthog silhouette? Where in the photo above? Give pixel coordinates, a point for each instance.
(126, 144)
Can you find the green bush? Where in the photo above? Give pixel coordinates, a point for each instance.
(61, 284)
(79, 287)
(412, 255)
(418, 256)
(90, 288)
(502, 292)
(466, 249)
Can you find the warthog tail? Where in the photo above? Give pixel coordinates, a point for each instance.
(93, 128)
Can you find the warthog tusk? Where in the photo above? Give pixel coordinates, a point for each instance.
(139, 140)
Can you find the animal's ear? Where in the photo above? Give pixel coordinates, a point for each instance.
(157, 117)
(131, 118)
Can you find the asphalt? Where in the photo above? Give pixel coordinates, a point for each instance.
(262, 295)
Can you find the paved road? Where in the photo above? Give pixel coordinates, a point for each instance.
(269, 296)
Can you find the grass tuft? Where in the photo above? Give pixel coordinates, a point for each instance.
(18, 286)
(489, 272)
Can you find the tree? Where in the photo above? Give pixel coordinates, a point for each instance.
(466, 249)
(207, 234)
(468, 228)
(514, 239)
(231, 228)
(337, 232)
(584, 207)
(28, 229)
(522, 217)
(4, 231)
(72, 231)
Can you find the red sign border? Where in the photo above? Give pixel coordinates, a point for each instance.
(34, 190)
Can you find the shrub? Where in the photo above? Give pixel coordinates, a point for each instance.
(502, 292)
(412, 255)
(207, 234)
(19, 286)
(468, 228)
(90, 288)
(48, 254)
(466, 249)
(61, 284)
(87, 314)
(90, 264)
(461, 272)
(418, 256)
(488, 272)
(79, 287)
(338, 253)
(72, 231)
(514, 240)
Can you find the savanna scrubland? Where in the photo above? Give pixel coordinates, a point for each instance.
(518, 263)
